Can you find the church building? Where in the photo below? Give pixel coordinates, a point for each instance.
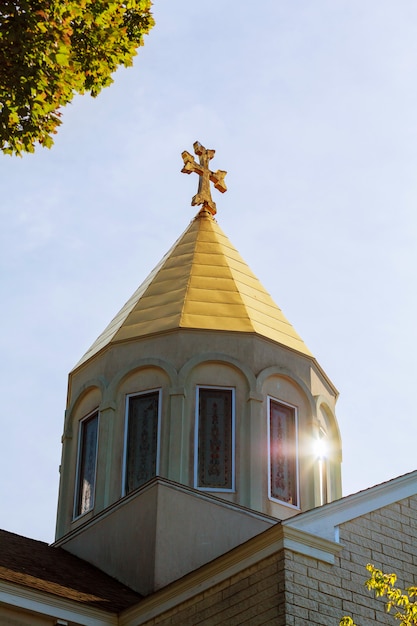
(200, 480)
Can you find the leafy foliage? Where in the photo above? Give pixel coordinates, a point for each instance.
(383, 586)
(51, 50)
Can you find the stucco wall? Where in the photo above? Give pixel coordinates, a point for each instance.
(161, 533)
(255, 368)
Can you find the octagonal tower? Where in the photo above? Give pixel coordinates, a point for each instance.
(195, 421)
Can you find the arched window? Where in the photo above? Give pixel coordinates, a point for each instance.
(86, 464)
(215, 439)
(141, 439)
(283, 462)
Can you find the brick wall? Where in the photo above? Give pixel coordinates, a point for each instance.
(253, 597)
(320, 594)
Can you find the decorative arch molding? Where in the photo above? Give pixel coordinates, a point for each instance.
(217, 357)
(99, 383)
(283, 372)
(322, 404)
(136, 366)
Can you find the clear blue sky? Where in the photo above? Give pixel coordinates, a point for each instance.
(312, 110)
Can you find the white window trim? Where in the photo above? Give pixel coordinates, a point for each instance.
(196, 425)
(75, 514)
(297, 470)
(158, 433)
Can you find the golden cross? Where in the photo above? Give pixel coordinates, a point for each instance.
(203, 195)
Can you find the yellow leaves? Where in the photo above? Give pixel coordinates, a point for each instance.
(42, 27)
(62, 59)
(46, 141)
(13, 118)
(383, 585)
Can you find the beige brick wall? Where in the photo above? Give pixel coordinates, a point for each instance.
(320, 594)
(289, 589)
(253, 597)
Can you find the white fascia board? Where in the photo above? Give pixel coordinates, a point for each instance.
(324, 520)
(45, 604)
(310, 545)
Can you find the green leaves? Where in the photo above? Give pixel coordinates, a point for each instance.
(50, 50)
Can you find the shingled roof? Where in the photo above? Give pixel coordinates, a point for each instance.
(36, 565)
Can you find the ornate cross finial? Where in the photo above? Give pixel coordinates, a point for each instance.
(203, 195)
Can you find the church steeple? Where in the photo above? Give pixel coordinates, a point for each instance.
(201, 283)
(198, 402)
